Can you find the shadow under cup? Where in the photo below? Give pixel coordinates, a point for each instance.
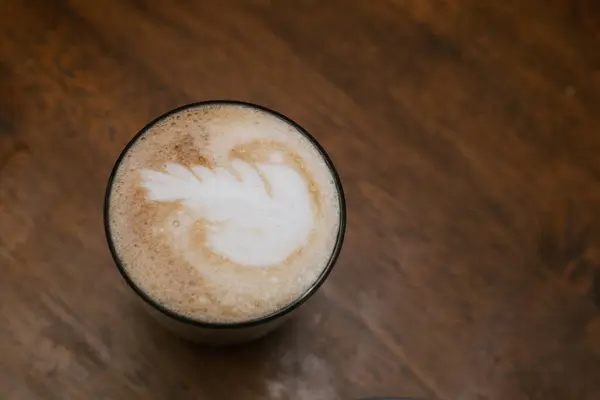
(225, 333)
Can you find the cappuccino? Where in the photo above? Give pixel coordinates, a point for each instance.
(223, 213)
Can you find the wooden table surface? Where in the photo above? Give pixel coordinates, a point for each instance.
(467, 136)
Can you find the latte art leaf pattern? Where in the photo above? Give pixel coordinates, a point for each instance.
(256, 215)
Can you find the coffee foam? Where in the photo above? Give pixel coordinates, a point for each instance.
(224, 213)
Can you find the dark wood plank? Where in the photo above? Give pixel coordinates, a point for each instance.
(466, 135)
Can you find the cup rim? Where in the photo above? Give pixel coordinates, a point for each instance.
(246, 323)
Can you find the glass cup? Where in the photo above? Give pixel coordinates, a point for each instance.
(224, 333)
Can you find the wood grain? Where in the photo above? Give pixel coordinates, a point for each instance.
(466, 134)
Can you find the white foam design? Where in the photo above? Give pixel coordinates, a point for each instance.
(257, 215)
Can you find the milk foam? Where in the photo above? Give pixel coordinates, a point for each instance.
(223, 213)
(249, 224)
